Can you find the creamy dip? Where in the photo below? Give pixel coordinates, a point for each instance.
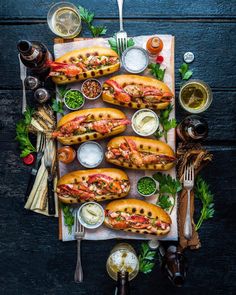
(135, 59)
(91, 214)
(145, 122)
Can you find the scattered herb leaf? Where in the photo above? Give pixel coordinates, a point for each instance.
(68, 217)
(113, 43)
(203, 193)
(22, 133)
(157, 71)
(185, 72)
(88, 18)
(57, 106)
(165, 122)
(146, 259)
(168, 187)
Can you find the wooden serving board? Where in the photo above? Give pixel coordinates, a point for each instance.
(102, 233)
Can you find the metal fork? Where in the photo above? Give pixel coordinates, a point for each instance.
(188, 185)
(79, 234)
(34, 171)
(121, 36)
(23, 73)
(48, 158)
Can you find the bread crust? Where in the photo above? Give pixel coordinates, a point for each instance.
(134, 206)
(98, 114)
(123, 80)
(81, 175)
(156, 147)
(106, 70)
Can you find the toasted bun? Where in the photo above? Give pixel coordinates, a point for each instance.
(124, 80)
(144, 145)
(134, 206)
(106, 70)
(81, 175)
(97, 114)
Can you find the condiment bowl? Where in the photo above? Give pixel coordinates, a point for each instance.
(135, 116)
(83, 145)
(124, 56)
(91, 98)
(85, 224)
(147, 195)
(64, 99)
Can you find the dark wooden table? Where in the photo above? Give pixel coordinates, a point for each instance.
(33, 261)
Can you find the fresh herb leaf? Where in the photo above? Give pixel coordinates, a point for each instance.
(88, 17)
(157, 71)
(164, 202)
(203, 193)
(113, 44)
(22, 133)
(57, 106)
(62, 91)
(165, 122)
(185, 72)
(68, 217)
(146, 259)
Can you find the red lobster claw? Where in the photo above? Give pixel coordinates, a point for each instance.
(119, 94)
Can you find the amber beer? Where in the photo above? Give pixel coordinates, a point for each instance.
(35, 56)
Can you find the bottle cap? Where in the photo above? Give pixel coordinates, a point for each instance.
(153, 244)
(188, 57)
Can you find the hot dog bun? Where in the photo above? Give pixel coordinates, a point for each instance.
(143, 145)
(95, 114)
(134, 206)
(124, 80)
(82, 175)
(84, 53)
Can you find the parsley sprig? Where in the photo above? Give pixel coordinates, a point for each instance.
(113, 43)
(57, 105)
(203, 193)
(168, 188)
(22, 133)
(165, 122)
(87, 17)
(146, 259)
(68, 217)
(185, 72)
(157, 71)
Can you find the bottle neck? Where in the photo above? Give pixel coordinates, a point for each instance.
(122, 287)
(27, 50)
(198, 131)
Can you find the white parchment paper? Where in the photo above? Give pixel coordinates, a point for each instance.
(103, 233)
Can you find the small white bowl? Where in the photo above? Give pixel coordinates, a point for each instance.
(90, 226)
(151, 193)
(64, 99)
(133, 122)
(91, 143)
(91, 98)
(145, 56)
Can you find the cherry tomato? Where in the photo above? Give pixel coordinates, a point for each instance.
(29, 159)
(159, 59)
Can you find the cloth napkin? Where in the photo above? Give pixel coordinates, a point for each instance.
(200, 157)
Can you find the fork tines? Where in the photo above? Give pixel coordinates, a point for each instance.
(121, 40)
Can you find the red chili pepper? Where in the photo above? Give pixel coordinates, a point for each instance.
(29, 159)
(159, 59)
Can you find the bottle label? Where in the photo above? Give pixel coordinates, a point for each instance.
(32, 56)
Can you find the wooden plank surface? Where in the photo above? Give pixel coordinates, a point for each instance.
(211, 43)
(37, 9)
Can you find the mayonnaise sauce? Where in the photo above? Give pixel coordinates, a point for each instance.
(91, 214)
(145, 122)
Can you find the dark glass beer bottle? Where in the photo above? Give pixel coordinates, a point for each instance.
(122, 287)
(35, 56)
(192, 128)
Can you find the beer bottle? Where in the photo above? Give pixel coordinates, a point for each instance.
(122, 287)
(34, 55)
(192, 128)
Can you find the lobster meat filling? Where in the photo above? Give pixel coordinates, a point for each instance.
(78, 65)
(123, 220)
(84, 124)
(128, 152)
(136, 93)
(94, 185)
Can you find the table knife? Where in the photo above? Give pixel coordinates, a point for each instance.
(23, 73)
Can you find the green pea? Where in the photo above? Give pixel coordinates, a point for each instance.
(146, 186)
(74, 99)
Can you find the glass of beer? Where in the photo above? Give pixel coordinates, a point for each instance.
(122, 258)
(64, 20)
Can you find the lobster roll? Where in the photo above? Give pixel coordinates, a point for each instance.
(140, 153)
(90, 124)
(136, 216)
(137, 92)
(93, 185)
